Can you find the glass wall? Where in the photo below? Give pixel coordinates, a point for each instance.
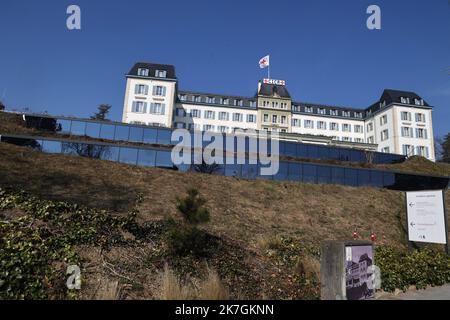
(291, 171)
(152, 135)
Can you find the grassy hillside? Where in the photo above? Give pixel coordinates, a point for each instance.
(266, 234)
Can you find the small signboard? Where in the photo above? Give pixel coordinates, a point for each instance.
(276, 82)
(426, 216)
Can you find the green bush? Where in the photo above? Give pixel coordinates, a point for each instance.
(401, 269)
(187, 238)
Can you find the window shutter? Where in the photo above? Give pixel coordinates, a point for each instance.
(146, 90)
(164, 91)
(133, 108)
(154, 90)
(163, 108)
(145, 107)
(136, 89)
(425, 133)
(152, 108)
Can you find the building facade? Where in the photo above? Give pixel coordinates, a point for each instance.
(399, 122)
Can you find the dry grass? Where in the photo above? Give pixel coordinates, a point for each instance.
(212, 288)
(108, 290)
(173, 289)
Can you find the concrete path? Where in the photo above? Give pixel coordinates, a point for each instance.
(431, 293)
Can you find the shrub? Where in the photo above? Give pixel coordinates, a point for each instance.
(401, 269)
(187, 238)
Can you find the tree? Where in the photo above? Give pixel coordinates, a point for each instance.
(103, 111)
(445, 145)
(188, 238)
(2, 106)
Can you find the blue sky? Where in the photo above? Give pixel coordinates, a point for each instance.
(322, 49)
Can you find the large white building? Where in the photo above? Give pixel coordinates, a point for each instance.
(399, 122)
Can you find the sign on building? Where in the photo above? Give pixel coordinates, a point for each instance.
(426, 216)
(276, 82)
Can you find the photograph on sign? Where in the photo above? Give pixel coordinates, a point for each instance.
(426, 217)
(358, 273)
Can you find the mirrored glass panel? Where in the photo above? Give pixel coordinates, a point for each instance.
(364, 178)
(107, 131)
(283, 171)
(164, 136)
(147, 158)
(163, 159)
(323, 153)
(93, 129)
(337, 175)
(376, 178)
(128, 155)
(63, 126)
(309, 173)
(78, 128)
(51, 146)
(136, 134)
(323, 174)
(150, 135)
(122, 133)
(351, 177)
(111, 154)
(295, 171)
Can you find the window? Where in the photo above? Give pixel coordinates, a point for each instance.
(210, 114)
(309, 109)
(309, 124)
(383, 104)
(283, 119)
(385, 150)
(370, 140)
(197, 99)
(358, 114)
(139, 107)
(194, 126)
(421, 133)
(404, 100)
(157, 108)
(321, 125)
(266, 117)
(223, 129)
(418, 102)
(252, 104)
(296, 108)
(358, 128)
(359, 140)
(182, 97)
(141, 89)
(346, 113)
(238, 103)
(334, 126)
(422, 151)
(321, 111)
(211, 100)
(420, 117)
(142, 72)
(180, 125)
(407, 132)
(195, 113)
(408, 150)
(225, 101)
(383, 120)
(334, 112)
(159, 91)
(405, 116)
(160, 73)
(384, 135)
(284, 105)
(347, 139)
(274, 118)
(296, 122)
(179, 112)
(346, 127)
(237, 117)
(370, 127)
(223, 116)
(208, 127)
(251, 118)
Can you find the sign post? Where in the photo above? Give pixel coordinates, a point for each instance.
(427, 217)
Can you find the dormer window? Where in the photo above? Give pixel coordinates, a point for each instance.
(334, 112)
(238, 103)
(321, 111)
(142, 72)
(211, 100)
(309, 109)
(346, 113)
(197, 99)
(225, 101)
(160, 73)
(358, 115)
(404, 100)
(182, 97)
(383, 104)
(418, 102)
